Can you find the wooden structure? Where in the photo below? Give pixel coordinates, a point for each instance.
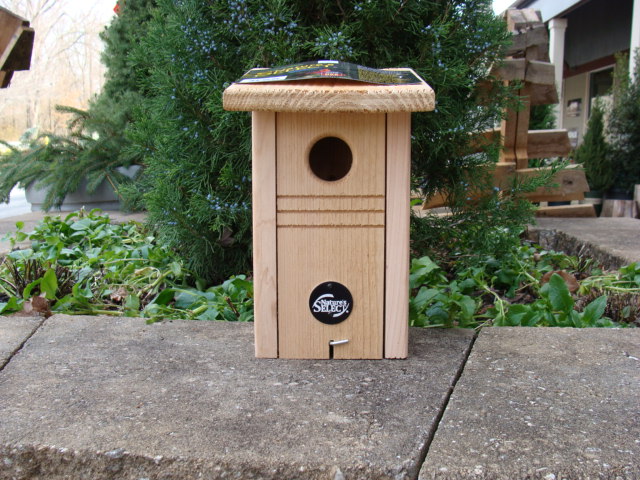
(16, 45)
(528, 64)
(331, 191)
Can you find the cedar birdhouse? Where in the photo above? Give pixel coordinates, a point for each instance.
(331, 192)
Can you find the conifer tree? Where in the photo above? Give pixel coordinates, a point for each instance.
(624, 125)
(593, 153)
(95, 144)
(124, 31)
(197, 180)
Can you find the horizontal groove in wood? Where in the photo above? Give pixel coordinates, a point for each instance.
(332, 204)
(330, 196)
(330, 218)
(330, 226)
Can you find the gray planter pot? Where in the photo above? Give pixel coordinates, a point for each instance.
(104, 197)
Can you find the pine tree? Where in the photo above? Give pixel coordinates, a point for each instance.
(124, 31)
(95, 145)
(594, 153)
(624, 126)
(197, 180)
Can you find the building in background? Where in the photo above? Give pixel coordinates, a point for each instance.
(585, 36)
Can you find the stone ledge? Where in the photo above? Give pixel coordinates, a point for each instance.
(543, 403)
(107, 398)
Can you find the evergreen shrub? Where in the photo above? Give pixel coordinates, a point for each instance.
(197, 178)
(593, 152)
(95, 144)
(624, 126)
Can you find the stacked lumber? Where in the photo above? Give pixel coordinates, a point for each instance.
(528, 65)
(16, 45)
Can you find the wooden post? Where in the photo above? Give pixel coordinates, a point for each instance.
(265, 265)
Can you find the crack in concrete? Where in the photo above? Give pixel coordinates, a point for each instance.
(21, 346)
(432, 433)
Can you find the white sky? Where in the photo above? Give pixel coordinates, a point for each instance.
(501, 5)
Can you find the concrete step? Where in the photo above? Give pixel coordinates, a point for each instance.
(106, 398)
(547, 403)
(115, 398)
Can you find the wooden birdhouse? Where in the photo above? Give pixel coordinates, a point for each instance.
(331, 169)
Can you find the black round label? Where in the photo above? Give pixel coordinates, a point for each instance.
(331, 303)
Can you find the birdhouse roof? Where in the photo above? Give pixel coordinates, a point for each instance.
(329, 95)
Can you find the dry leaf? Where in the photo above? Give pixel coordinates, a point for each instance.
(570, 280)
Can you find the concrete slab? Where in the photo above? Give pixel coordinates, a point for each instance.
(13, 332)
(543, 403)
(614, 242)
(107, 398)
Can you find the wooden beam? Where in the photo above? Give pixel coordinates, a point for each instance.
(9, 24)
(548, 143)
(620, 208)
(543, 95)
(512, 69)
(537, 36)
(265, 264)
(567, 211)
(515, 19)
(549, 197)
(17, 55)
(396, 326)
(532, 16)
(538, 52)
(541, 73)
(571, 180)
(436, 201)
(5, 78)
(522, 130)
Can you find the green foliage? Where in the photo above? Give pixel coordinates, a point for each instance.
(522, 289)
(125, 30)
(197, 187)
(624, 126)
(95, 145)
(555, 308)
(90, 152)
(542, 117)
(484, 220)
(83, 264)
(593, 153)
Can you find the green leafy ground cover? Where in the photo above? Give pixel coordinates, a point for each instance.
(83, 264)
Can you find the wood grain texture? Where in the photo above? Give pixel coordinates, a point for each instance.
(396, 335)
(543, 95)
(264, 234)
(325, 203)
(548, 143)
(327, 96)
(331, 219)
(522, 129)
(542, 73)
(353, 257)
(9, 27)
(571, 185)
(336, 244)
(512, 69)
(568, 211)
(620, 208)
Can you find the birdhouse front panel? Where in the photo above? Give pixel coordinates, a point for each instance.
(330, 216)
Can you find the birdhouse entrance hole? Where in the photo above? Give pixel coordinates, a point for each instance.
(330, 159)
